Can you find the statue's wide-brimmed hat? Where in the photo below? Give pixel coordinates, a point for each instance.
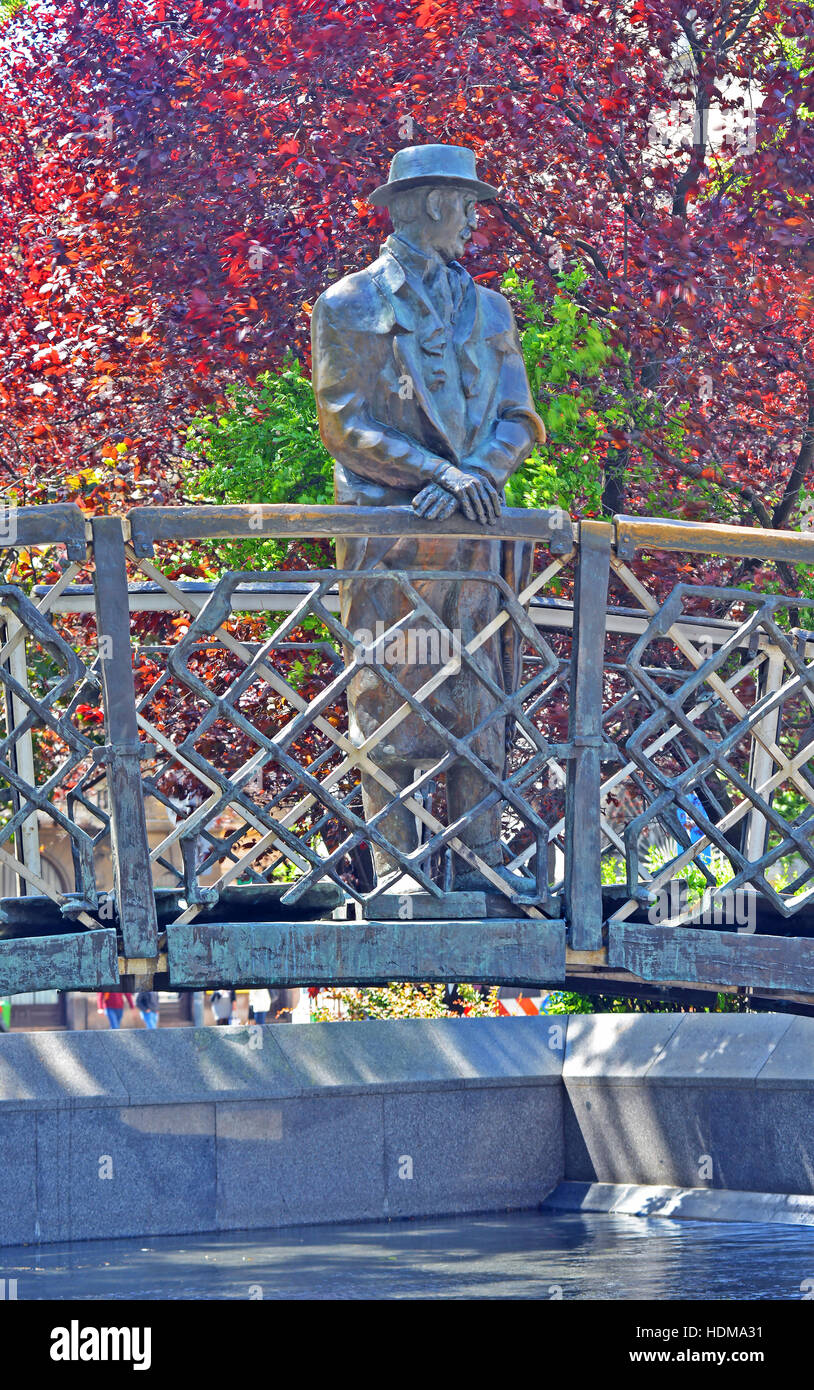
(453, 165)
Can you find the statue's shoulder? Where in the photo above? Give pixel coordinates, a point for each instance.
(494, 305)
(353, 298)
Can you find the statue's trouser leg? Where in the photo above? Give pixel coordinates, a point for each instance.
(465, 788)
(399, 825)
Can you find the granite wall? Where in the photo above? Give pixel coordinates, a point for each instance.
(196, 1129)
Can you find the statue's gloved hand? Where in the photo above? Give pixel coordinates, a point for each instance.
(434, 503)
(478, 498)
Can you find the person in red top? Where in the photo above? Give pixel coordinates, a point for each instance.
(113, 1006)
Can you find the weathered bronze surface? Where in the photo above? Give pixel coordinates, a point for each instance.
(423, 398)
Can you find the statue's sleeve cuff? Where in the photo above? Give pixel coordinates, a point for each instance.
(439, 471)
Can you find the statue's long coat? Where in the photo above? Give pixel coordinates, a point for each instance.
(406, 371)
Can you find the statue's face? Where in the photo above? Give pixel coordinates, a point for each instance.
(452, 216)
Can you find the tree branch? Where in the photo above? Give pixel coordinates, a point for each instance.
(524, 231)
(802, 466)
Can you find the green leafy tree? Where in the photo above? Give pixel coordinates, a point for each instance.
(407, 1001)
(263, 445)
(566, 1002)
(567, 355)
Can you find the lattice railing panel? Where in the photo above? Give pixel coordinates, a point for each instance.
(712, 711)
(546, 706)
(264, 785)
(50, 737)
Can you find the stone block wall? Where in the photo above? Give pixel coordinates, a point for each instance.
(198, 1129)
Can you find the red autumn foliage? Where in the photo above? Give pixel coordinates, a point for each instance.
(178, 181)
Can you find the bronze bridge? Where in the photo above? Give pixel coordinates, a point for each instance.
(658, 789)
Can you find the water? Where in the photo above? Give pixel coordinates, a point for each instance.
(520, 1255)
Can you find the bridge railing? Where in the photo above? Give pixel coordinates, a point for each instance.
(661, 739)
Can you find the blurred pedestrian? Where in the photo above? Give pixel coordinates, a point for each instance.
(112, 1004)
(222, 1005)
(147, 1005)
(259, 1005)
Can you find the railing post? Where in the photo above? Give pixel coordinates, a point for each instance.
(583, 835)
(130, 850)
(23, 748)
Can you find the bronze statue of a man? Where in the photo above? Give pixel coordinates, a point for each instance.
(423, 399)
